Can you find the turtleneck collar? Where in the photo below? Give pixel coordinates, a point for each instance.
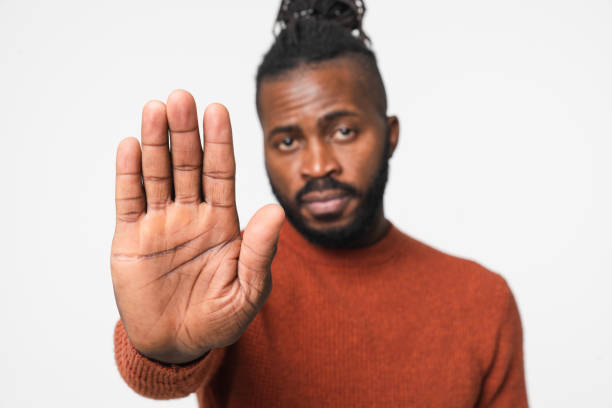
(386, 248)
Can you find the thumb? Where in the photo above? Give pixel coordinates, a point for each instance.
(257, 251)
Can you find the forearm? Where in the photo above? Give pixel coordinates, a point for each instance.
(162, 381)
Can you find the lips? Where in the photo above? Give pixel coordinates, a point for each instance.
(325, 203)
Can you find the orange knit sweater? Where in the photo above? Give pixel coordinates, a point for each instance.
(396, 324)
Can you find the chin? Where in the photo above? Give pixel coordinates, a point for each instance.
(330, 222)
(343, 232)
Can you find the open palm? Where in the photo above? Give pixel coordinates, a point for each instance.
(185, 280)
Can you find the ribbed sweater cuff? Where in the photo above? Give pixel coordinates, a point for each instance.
(160, 381)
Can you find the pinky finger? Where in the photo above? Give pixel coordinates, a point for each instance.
(129, 194)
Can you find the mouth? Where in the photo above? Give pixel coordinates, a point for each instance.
(326, 203)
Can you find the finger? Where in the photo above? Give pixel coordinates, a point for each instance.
(186, 147)
(129, 196)
(156, 155)
(219, 165)
(258, 249)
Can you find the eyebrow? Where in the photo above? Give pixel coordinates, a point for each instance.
(282, 129)
(331, 116)
(328, 117)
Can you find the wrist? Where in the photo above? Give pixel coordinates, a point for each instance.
(174, 359)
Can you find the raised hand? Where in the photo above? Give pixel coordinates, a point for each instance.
(185, 281)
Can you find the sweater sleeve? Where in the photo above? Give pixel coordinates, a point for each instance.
(155, 380)
(504, 384)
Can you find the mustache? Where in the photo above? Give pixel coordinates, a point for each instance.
(322, 184)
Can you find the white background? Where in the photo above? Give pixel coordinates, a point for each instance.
(504, 157)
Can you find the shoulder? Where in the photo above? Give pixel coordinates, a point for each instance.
(462, 282)
(470, 298)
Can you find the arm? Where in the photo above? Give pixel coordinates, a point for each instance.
(162, 381)
(504, 384)
(185, 280)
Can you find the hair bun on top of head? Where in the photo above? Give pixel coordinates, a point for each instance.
(347, 13)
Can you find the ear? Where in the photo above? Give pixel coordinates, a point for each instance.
(393, 127)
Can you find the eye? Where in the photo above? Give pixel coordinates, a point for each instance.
(288, 143)
(344, 133)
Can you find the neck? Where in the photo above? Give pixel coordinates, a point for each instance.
(380, 225)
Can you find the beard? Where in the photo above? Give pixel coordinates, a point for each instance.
(363, 222)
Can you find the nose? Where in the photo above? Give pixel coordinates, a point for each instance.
(319, 160)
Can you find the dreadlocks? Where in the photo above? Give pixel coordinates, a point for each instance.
(315, 31)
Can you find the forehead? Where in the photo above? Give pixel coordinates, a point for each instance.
(312, 90)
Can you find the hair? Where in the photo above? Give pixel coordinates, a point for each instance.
(314, 31)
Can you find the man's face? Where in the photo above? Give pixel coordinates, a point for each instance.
(326, 149)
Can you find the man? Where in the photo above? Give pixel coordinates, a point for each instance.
(361, 314)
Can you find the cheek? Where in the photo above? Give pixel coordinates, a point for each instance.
(283, 174)
(359, 163)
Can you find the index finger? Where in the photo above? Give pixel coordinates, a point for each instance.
(219, 171)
